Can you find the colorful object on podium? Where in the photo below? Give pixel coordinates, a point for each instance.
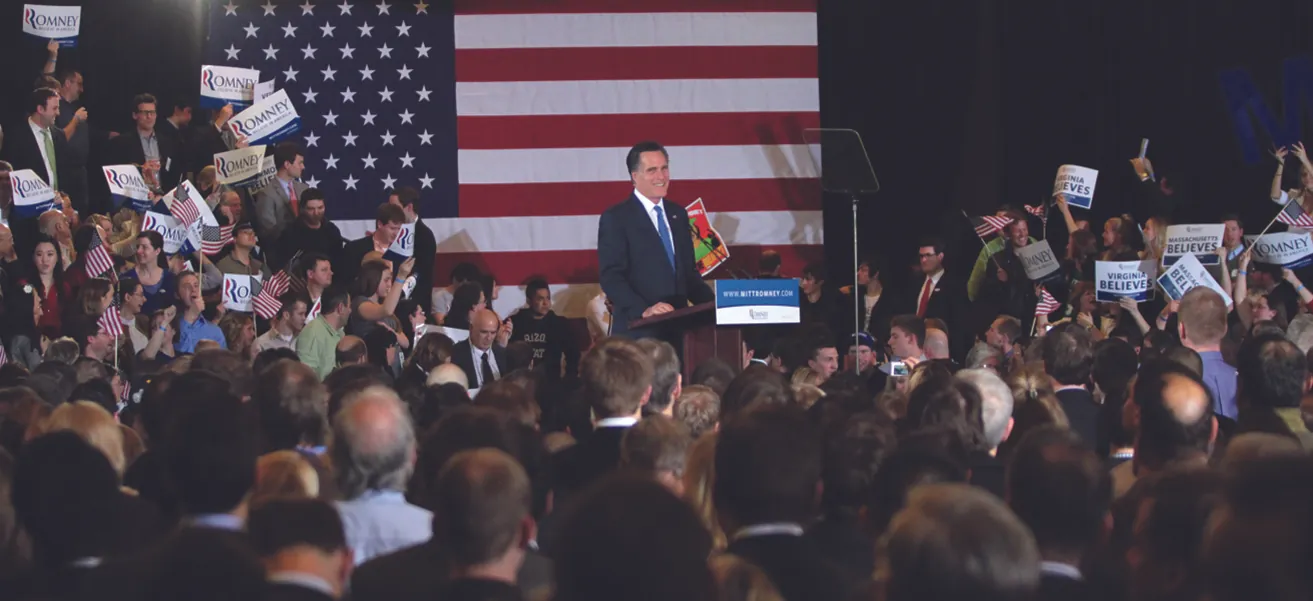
(757, 302)
(708, 246)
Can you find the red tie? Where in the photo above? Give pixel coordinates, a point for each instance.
(291, 197)
(925, 297)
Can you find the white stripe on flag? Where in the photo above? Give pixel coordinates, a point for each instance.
(617, 97)
(635, 30)
(551, 165)
(579, 232)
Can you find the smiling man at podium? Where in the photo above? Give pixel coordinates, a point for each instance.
(645, 248)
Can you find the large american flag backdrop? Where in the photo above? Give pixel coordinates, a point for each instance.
(513, 118)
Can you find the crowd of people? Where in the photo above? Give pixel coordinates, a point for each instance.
(378, 438)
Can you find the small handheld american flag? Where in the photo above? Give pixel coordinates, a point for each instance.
(182, 205)
(1039, 211)
(1047, 304)
(1293, 215)
(266, 303)
(98, 260)
(989, 225)
(215, 238)
(111, 323)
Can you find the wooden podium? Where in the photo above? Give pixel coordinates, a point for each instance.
(694, 332)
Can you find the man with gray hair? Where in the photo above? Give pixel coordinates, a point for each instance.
(984, 356)
(987, 471)
(373, 453)
(936, 344)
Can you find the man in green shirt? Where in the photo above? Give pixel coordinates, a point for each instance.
(977, 278)
(317, 343)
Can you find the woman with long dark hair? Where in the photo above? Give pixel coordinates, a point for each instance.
(152, 270)
(46, 277)
(375, 294)
(467, 299)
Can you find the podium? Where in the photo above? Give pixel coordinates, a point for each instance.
(696, 336)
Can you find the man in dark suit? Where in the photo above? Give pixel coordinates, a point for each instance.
(426, 244)
(645, 247)
(278, 204)
(939, 295)
(304, 550)
(483, 362)
(143, 146)
(41, 147)
(1062, 491)
(387, 225)
(312, 232)
(768, 468)
(1068, 359)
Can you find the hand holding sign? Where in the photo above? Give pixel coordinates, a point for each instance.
(406, 267)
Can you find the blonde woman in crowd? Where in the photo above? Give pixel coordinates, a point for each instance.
(94, 424)
(284, 475)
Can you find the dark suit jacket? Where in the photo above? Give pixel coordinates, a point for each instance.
(426, 253)
(795, 566)
(347, 264)
(22, 152)
(634, 270)
(1082, 413)
(590, 459)
(949, 303)
(988, 473)
(273, 211)
(282, 591)
(189, 561)
(1061, 588)
(475, 589)
(462, 354)
(127, 149)
(840, 540)
(420, 573)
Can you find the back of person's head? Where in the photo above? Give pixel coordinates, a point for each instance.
(211, 445)
(373, 443)
(63, 493)
(1068, 356)
(1185, 357)
(233, 368)
(448, 373)
(665, 373)
(1176, 417)
(280, 525)
(768, 463)
(1271, 372)
(292, 405)
(1202, 317)
(903, 470)
(1115, 363)
(348, 380)
(481, 509)
(714, 373)
(93, 424)
(982, 355)
(1059, 488)
(463, 300)
(617, 378)
(476, 427)
(284, 475)
(439, 401)
(98, 392)
(54, 381)
(657, 446)
(87, 369)
(350, 350)
(954, 541)
(62, 350)
(1173, 515)
(756, 385)
(201, 566)
(432, 350)
(949, 403)
(995, 403)
(854, 452)
(1260, 543)
(511, 398)
(599, 559)
(699, 408)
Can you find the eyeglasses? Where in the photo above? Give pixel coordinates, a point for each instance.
(928, 255)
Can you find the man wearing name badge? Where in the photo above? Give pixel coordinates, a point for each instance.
(41, 147)
(142, 146)
(278, 204)
(645, 248)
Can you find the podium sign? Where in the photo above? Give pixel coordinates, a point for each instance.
(757, 302)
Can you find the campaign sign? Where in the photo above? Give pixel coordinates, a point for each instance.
(1076, 184)
(1199, 240)
(755, 302)
(403, 247)
(1116, 279)
(239, 166)
(1038, 259)
(268, 120)
(175, 235)
(1187, 274)
(264, 89)
(1290, 250)
(59, 23)
(127, 187)
(239, 291)
(228, 85)
(32, 196)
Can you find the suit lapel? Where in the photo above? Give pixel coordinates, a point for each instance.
(644, 219)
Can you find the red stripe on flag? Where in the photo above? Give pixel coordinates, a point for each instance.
(580, 266)
(489, 7)
(676, 62)
(591, 198)
(620, 131)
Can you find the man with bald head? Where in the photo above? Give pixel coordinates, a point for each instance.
(480, 357)
(373, 453)
(1175, 424)
(448, 373)
(936, 344)
(351, 350)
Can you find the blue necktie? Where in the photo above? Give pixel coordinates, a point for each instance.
(666, 241)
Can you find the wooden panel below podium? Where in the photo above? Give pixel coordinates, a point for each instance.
(705, 342)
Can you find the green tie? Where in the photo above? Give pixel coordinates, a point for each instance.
(50, 154)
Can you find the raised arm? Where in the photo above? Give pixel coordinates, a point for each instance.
(1221, 253)
(1280, 155)
(1130, 307)
(1241, 297)
(1305, 296)
(1061, 201)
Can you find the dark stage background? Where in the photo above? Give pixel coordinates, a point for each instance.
(963, 104)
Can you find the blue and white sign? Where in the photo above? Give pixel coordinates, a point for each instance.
(59, 23)
(265, 177)
(32, 196)
(1116, 279)
(1076, 183)
(1290, 250)
(175, 235)
(239, 291)
(757, 302)
(127, 187)
(1200, 240)
(403, 247)
(1186, 275)
(1039, 261)
(241, 166)
(228, 85)
(268, 120)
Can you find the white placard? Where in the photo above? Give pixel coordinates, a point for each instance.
(264, 89)
(1200, 240)
(1039, 260)
(228, 85)
(1187, 274)
(1291, 250)
(128, 186)
(60, 23)
(239, 291)
(239, 166)
(268, 120)
(1076, 183)
(1116, 279)
(175, 235)
(404, 246)
(32, 196)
